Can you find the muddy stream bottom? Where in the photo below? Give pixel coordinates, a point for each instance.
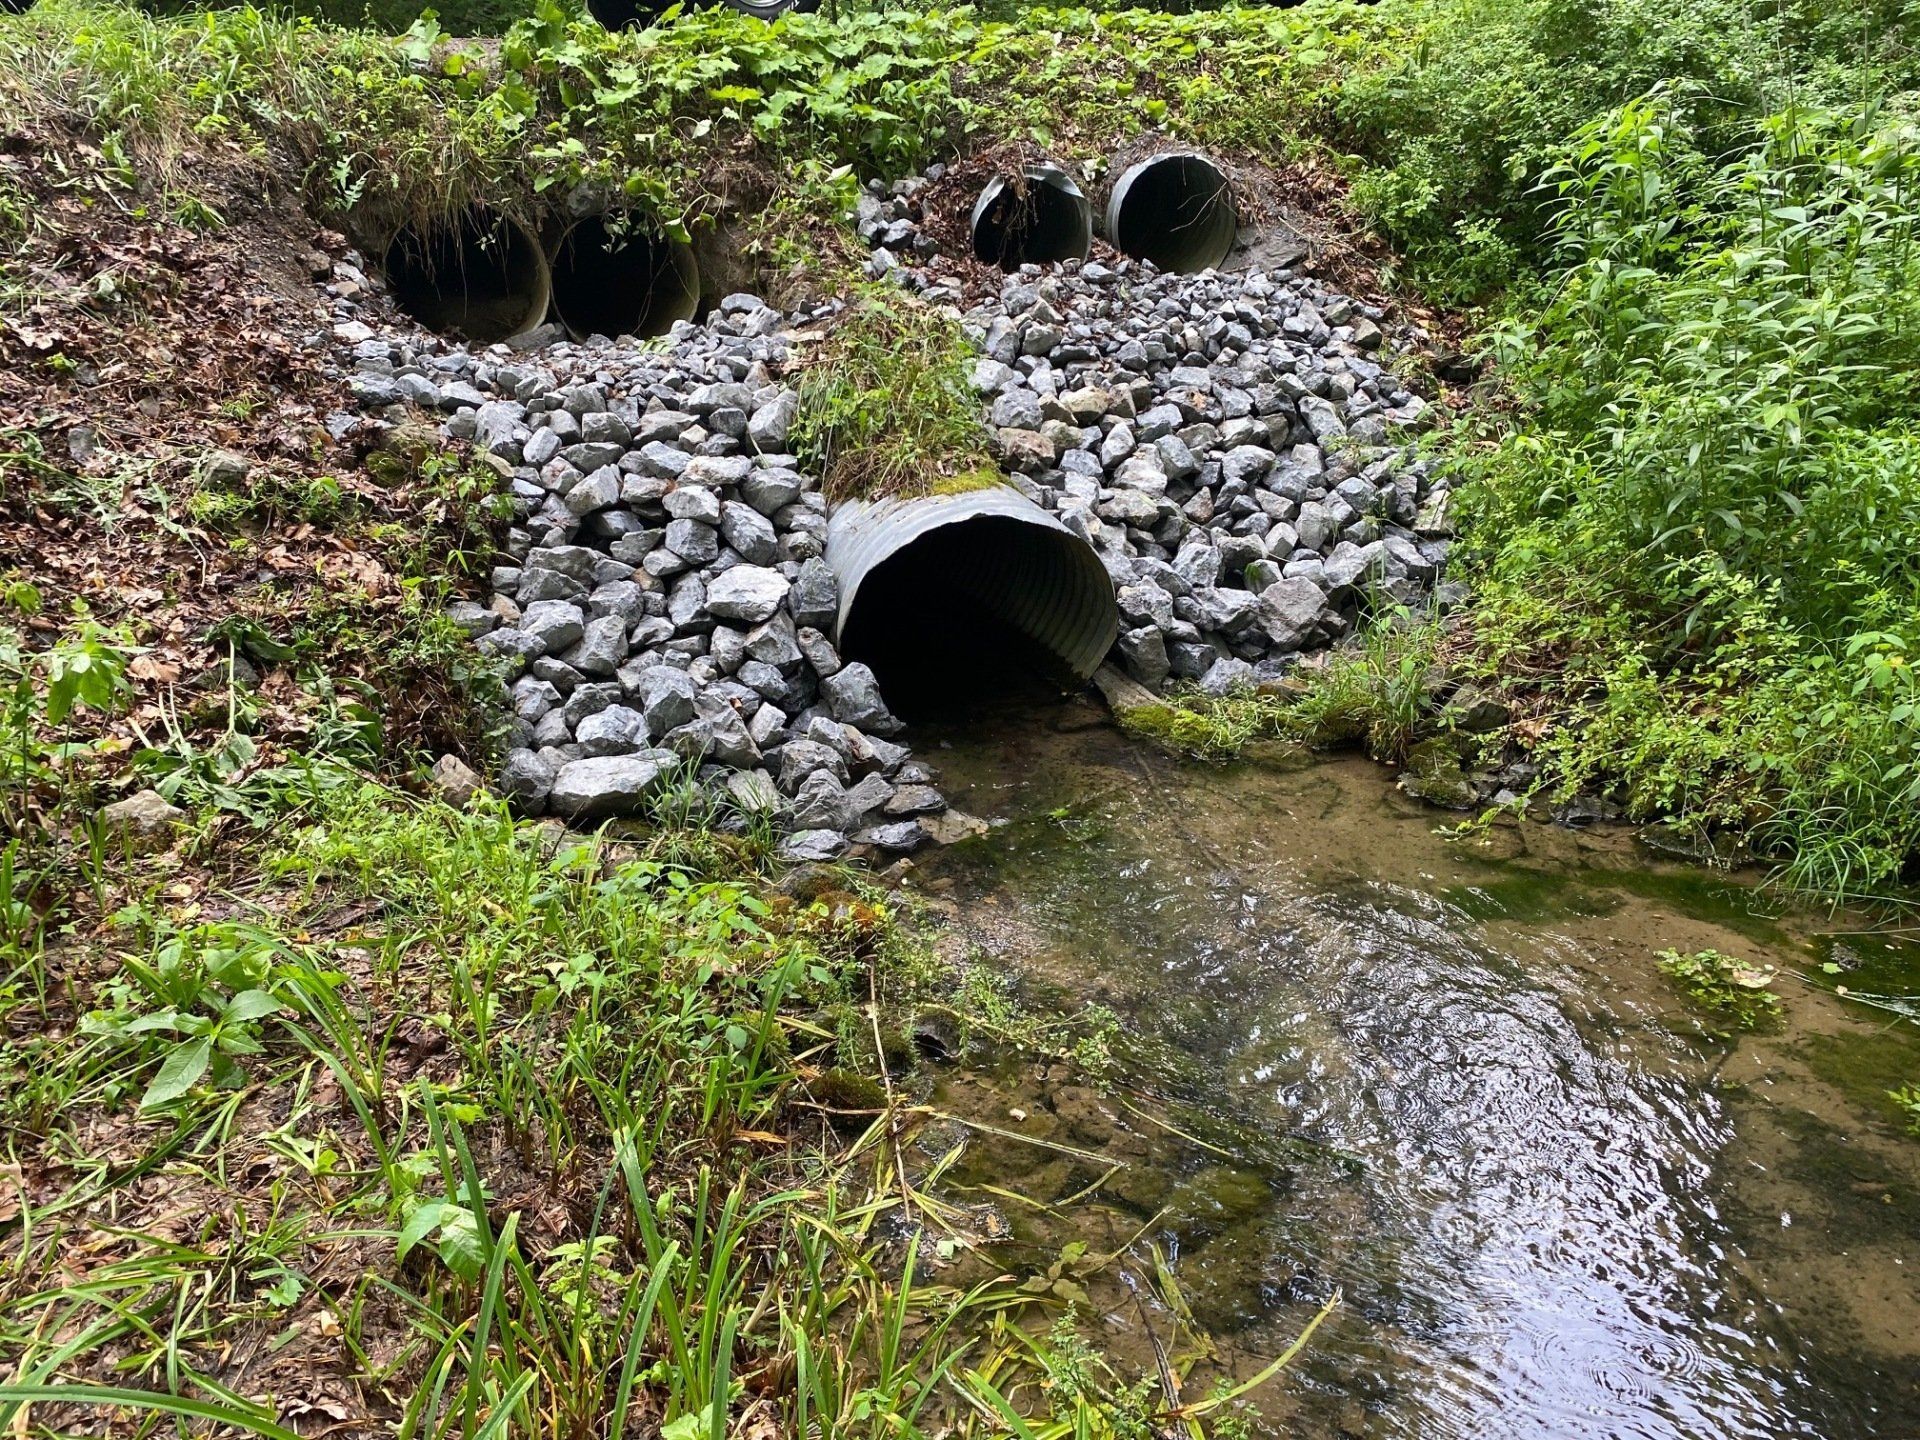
(1444, 1078)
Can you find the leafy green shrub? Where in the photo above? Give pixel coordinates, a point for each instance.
(40, 691)
(1456, 121)
(1699, 524)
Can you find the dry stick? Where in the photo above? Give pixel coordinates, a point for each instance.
(886, 1081)
(1169, 1382)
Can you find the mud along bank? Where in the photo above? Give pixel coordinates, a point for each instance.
(1446, 1079)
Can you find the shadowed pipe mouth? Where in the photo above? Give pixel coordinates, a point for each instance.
(613, 280)
(977, 608)
(1175, 210)
(478, 276)
(1050, 222)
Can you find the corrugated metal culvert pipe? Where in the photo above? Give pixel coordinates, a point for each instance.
(476, 275)
(610, 279)
(1174, 209)
(1042, 219)
(932, 587)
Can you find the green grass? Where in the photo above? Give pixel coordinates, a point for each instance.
(1206, 726)
(565, 1100)
(623, 1030)
(1370, 693)
(886, 408)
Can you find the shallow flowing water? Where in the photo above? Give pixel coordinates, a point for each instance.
(1446, 1079)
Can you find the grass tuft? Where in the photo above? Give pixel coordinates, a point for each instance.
(886, 406)
(1372, 693)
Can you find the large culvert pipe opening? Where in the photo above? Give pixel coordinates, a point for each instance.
(614, 278)
(951, 599)
(1039, 219)
(1175, 210)
(478, 276)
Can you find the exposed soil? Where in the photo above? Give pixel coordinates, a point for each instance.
(165, 394)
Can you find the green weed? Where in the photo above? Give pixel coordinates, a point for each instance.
(1724, 986)
(1372, 692)
(886, 407)
(1907, 1100)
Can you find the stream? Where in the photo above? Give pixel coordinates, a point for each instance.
(1444, 1078)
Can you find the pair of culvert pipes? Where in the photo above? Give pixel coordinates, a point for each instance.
(1175, 209)
(486, 277)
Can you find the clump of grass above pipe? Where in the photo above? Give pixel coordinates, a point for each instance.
(886, 407)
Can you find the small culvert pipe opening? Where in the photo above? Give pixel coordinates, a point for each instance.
(624, 14)
(477, 276)
(1175, 210)
(952, 600)
(1042, 219)
(617, 279)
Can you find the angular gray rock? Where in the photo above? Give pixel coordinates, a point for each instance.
(556, 624)
(815, 846)
(599, 787)
(747, 592)
(666, 698)
(616, 730)
(1289, 611)
(853, 694)
(526, 778)
(602, 648)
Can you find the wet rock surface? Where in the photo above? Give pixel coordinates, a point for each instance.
(1230, 445)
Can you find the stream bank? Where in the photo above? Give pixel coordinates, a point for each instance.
(1445, 1078)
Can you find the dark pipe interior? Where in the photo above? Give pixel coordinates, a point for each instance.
(771, 9)
(481, 278)
(1177, 212)
(625, 14)
(936, 645)
(610, 280)
(1046, 224)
